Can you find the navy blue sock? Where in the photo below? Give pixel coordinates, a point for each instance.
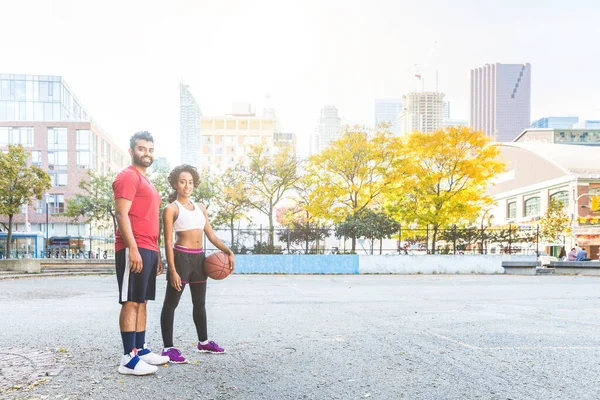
(128, 341)
(140, 339)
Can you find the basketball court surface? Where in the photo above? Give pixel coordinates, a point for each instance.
(315, 337)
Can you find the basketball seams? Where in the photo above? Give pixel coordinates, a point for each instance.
(217, 264)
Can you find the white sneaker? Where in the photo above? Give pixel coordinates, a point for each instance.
(150, 358)
(131, 364)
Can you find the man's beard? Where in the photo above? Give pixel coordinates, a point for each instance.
(142, 163)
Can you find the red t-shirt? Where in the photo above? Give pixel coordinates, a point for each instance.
(130, 184)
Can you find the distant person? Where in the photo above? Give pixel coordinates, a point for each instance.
(582, 256)
(572, 255)
(137, 255)
(562, 256)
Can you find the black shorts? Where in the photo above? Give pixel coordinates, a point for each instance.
(189, 264)
(136, 287)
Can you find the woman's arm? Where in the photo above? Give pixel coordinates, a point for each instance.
(169, 215)
(210, 235)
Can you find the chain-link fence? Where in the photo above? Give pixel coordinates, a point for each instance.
(512, 239)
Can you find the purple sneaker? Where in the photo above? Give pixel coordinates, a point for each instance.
(174, 355)
(210, 347)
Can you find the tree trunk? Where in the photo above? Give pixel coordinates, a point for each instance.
(271, 228)
(9, 236)
(434, 238)
(353, 244)
(380, 246)
(232, 227)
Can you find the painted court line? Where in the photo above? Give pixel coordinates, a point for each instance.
(449, 339)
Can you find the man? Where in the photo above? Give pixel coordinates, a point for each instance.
(582, 255)
(137, 254)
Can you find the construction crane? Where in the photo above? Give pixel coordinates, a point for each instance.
(420, 72)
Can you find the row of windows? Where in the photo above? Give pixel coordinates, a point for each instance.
(55, 203)
(16, 135)
(231, 140)
(532, 206)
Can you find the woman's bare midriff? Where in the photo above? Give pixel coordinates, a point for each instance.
(191, 239)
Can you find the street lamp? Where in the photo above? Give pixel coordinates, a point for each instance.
(46, 195)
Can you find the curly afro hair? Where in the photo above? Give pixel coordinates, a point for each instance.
(174, 177)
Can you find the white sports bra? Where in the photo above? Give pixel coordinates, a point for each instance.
(189, 219)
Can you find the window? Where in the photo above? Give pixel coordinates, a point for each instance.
(207, 139)
(36, 158)
(59, 179)
(511, 210)
(16, 135)
(83, 159)
(57, 138)
(57, 160)
(593, 192)
(56, 203)
(562, 197)
(532, 207)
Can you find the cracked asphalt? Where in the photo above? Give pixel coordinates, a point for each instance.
(315, 337)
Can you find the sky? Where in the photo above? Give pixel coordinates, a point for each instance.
(124, 59)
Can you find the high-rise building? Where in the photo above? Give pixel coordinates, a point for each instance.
(42, 114)
(446, 110)
(388, 111)
(555, 122)
(421, 111)
(189, 126)
(328, 129)
(226, 140)
(501, 100)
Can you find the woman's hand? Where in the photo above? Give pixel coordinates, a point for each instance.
(175, 280)
(231, 260)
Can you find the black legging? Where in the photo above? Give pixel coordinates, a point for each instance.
(167, 315)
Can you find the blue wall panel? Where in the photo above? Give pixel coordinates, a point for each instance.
(296, 264)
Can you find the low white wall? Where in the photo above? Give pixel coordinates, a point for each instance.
(440, 264)
(28, 265)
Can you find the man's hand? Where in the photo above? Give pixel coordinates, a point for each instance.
(135, 260)
(161, 267)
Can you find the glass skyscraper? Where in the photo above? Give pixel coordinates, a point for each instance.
(388, 111)
(189, 120)
(555, 122)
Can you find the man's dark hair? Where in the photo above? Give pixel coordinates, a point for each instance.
(144, 135)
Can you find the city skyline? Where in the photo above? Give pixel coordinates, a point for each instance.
(128, 76)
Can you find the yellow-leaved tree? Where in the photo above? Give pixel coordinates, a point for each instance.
(444, 177)
(351, 174)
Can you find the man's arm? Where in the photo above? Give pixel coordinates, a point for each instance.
(122, 207)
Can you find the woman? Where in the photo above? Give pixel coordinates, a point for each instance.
(189, 221)
(562, 256)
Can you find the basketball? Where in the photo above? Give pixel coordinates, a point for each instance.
(216, 265)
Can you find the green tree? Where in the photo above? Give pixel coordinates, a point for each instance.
(508, 237)
(232, 203)
(268, 178)
(461, 236)
(555, 223)
(301, 228)
(352, 173)
(444, 178)
(96, 202)
(19, 183)
(369, 224)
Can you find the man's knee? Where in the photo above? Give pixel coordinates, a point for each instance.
(130, 306)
